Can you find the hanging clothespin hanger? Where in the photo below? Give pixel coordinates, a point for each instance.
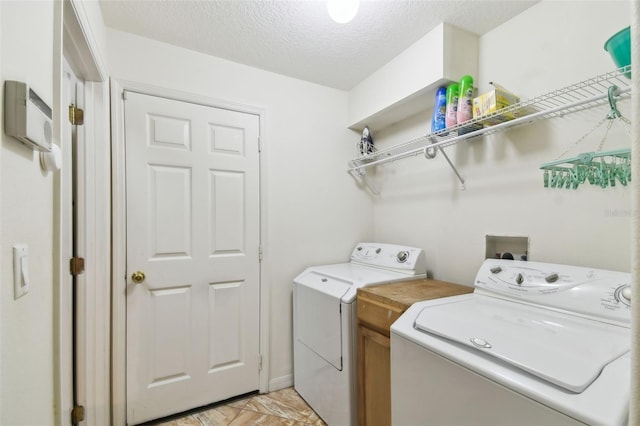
(600, 168)
(612, 94)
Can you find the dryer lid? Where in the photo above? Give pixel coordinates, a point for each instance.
(349, 277)
(335, 287)
(562, 349)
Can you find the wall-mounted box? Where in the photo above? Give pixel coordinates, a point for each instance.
(406, 85)
(506, 247)
(26, 116)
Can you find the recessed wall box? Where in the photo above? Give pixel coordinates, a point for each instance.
(26, 116)
(506, 247)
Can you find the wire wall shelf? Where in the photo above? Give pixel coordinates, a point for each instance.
(577, 97)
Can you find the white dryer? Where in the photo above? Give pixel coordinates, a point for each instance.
(534, 344)
(324, 324)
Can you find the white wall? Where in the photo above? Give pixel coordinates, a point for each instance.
(315, 211)
(96, 32)
(551, 45)
(26, 199)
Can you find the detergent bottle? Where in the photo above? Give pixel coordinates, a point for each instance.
(465, 99)
(452, 105)
(438, 120)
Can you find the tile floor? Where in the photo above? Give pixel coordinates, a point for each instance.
(284, 407)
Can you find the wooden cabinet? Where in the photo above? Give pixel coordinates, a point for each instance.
(377, 308)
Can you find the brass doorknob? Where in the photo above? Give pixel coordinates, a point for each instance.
(138, 277)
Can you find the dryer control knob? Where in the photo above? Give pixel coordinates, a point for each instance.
(402, 256)
(519, 279)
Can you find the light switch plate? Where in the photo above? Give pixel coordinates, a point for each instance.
(20, 270)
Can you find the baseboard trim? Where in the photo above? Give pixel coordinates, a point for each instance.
(281, 383)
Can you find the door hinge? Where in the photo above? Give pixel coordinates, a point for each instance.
(260, 362)
(76, 115)
(77, 414)
(76, 265)
(260, 254)
(124, 95)
(259, 144)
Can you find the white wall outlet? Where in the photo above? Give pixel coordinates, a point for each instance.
(20, 270)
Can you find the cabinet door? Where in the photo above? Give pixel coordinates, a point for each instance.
(374, 378)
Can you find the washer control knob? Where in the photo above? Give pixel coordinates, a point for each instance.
(623, 294)
(551, 278)
(496, 270)
(519, 279)
(626, 293)
(402, 256)
(378, 250)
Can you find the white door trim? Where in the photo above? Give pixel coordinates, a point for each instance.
(74, 38)
(119, 233)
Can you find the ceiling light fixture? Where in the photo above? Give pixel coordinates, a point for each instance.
(342, 11)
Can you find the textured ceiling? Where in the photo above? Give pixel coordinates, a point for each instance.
(297, 38)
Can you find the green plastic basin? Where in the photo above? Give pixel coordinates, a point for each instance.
(619, 47)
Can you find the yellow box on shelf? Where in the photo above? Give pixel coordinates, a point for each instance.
(492, 101)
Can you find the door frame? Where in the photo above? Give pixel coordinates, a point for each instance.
(118, 214)
(75, 41)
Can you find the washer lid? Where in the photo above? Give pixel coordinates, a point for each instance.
(562, 349)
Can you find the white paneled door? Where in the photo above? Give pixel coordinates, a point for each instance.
(193, 217)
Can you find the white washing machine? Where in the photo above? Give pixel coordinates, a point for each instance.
(324, 324)
(534, 344)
